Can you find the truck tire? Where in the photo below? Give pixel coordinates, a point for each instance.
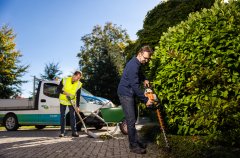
(40, 126)
(78, 122)
(98, 126)
(79, 126)
(123, 127)
(11, 122)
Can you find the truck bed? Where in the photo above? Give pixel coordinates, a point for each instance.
(16, 104)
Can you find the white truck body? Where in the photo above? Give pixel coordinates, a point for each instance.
(44, 109)
(8, 104)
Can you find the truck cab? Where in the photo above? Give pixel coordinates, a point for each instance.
(44, 109)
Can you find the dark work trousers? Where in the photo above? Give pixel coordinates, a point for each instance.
(63, 118)
(130, 112)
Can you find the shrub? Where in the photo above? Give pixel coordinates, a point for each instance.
(196, 70)
(184, 146)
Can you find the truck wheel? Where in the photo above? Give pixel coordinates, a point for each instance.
(11, 122)
(100, 126)
(123, 127)
(79, 126)
(78, 122)
(40, 126)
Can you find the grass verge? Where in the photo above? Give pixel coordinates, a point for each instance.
(185, 146)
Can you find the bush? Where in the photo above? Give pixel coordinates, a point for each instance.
(149, 132)
(196, 72)
(184, 146)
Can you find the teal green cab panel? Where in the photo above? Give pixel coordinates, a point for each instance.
(50, 119)
(39, 119)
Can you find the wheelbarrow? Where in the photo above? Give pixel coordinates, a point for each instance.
(113, 115)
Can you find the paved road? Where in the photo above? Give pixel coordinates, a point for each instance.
(45, 143)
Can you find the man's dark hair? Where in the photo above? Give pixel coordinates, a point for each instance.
(77, 73)
(146, 48)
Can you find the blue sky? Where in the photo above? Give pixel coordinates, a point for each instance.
(50, 30)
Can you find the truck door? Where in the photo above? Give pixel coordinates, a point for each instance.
(49, 108)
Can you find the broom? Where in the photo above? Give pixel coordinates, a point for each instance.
(89, 133)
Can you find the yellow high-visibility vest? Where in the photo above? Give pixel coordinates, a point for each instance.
(69, 88)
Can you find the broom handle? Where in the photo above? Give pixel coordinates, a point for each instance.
(80, 117)
(76, 111)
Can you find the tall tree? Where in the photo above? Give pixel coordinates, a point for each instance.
(102, 58)
(51, 71)
(10, 69)
(161, 17)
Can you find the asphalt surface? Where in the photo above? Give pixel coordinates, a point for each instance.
(32, 143)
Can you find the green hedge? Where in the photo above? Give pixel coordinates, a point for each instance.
(196, 73)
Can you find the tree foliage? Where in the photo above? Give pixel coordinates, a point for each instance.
(101, 59)
(10, 69)
(196, 73)
(163, 16)
(51, 71)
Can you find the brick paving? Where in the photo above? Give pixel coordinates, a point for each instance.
(46, 144)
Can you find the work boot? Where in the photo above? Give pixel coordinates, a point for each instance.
(142, 145)
(138, 150)
(75, 134)
(62, 135)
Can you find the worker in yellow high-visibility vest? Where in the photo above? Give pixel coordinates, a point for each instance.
(69, 87)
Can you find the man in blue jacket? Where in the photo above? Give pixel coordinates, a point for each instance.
(128, 89)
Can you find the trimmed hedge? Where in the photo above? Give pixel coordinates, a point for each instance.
(196, 70)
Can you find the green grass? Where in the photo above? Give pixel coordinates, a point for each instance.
(185, 146)
(2, 128)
